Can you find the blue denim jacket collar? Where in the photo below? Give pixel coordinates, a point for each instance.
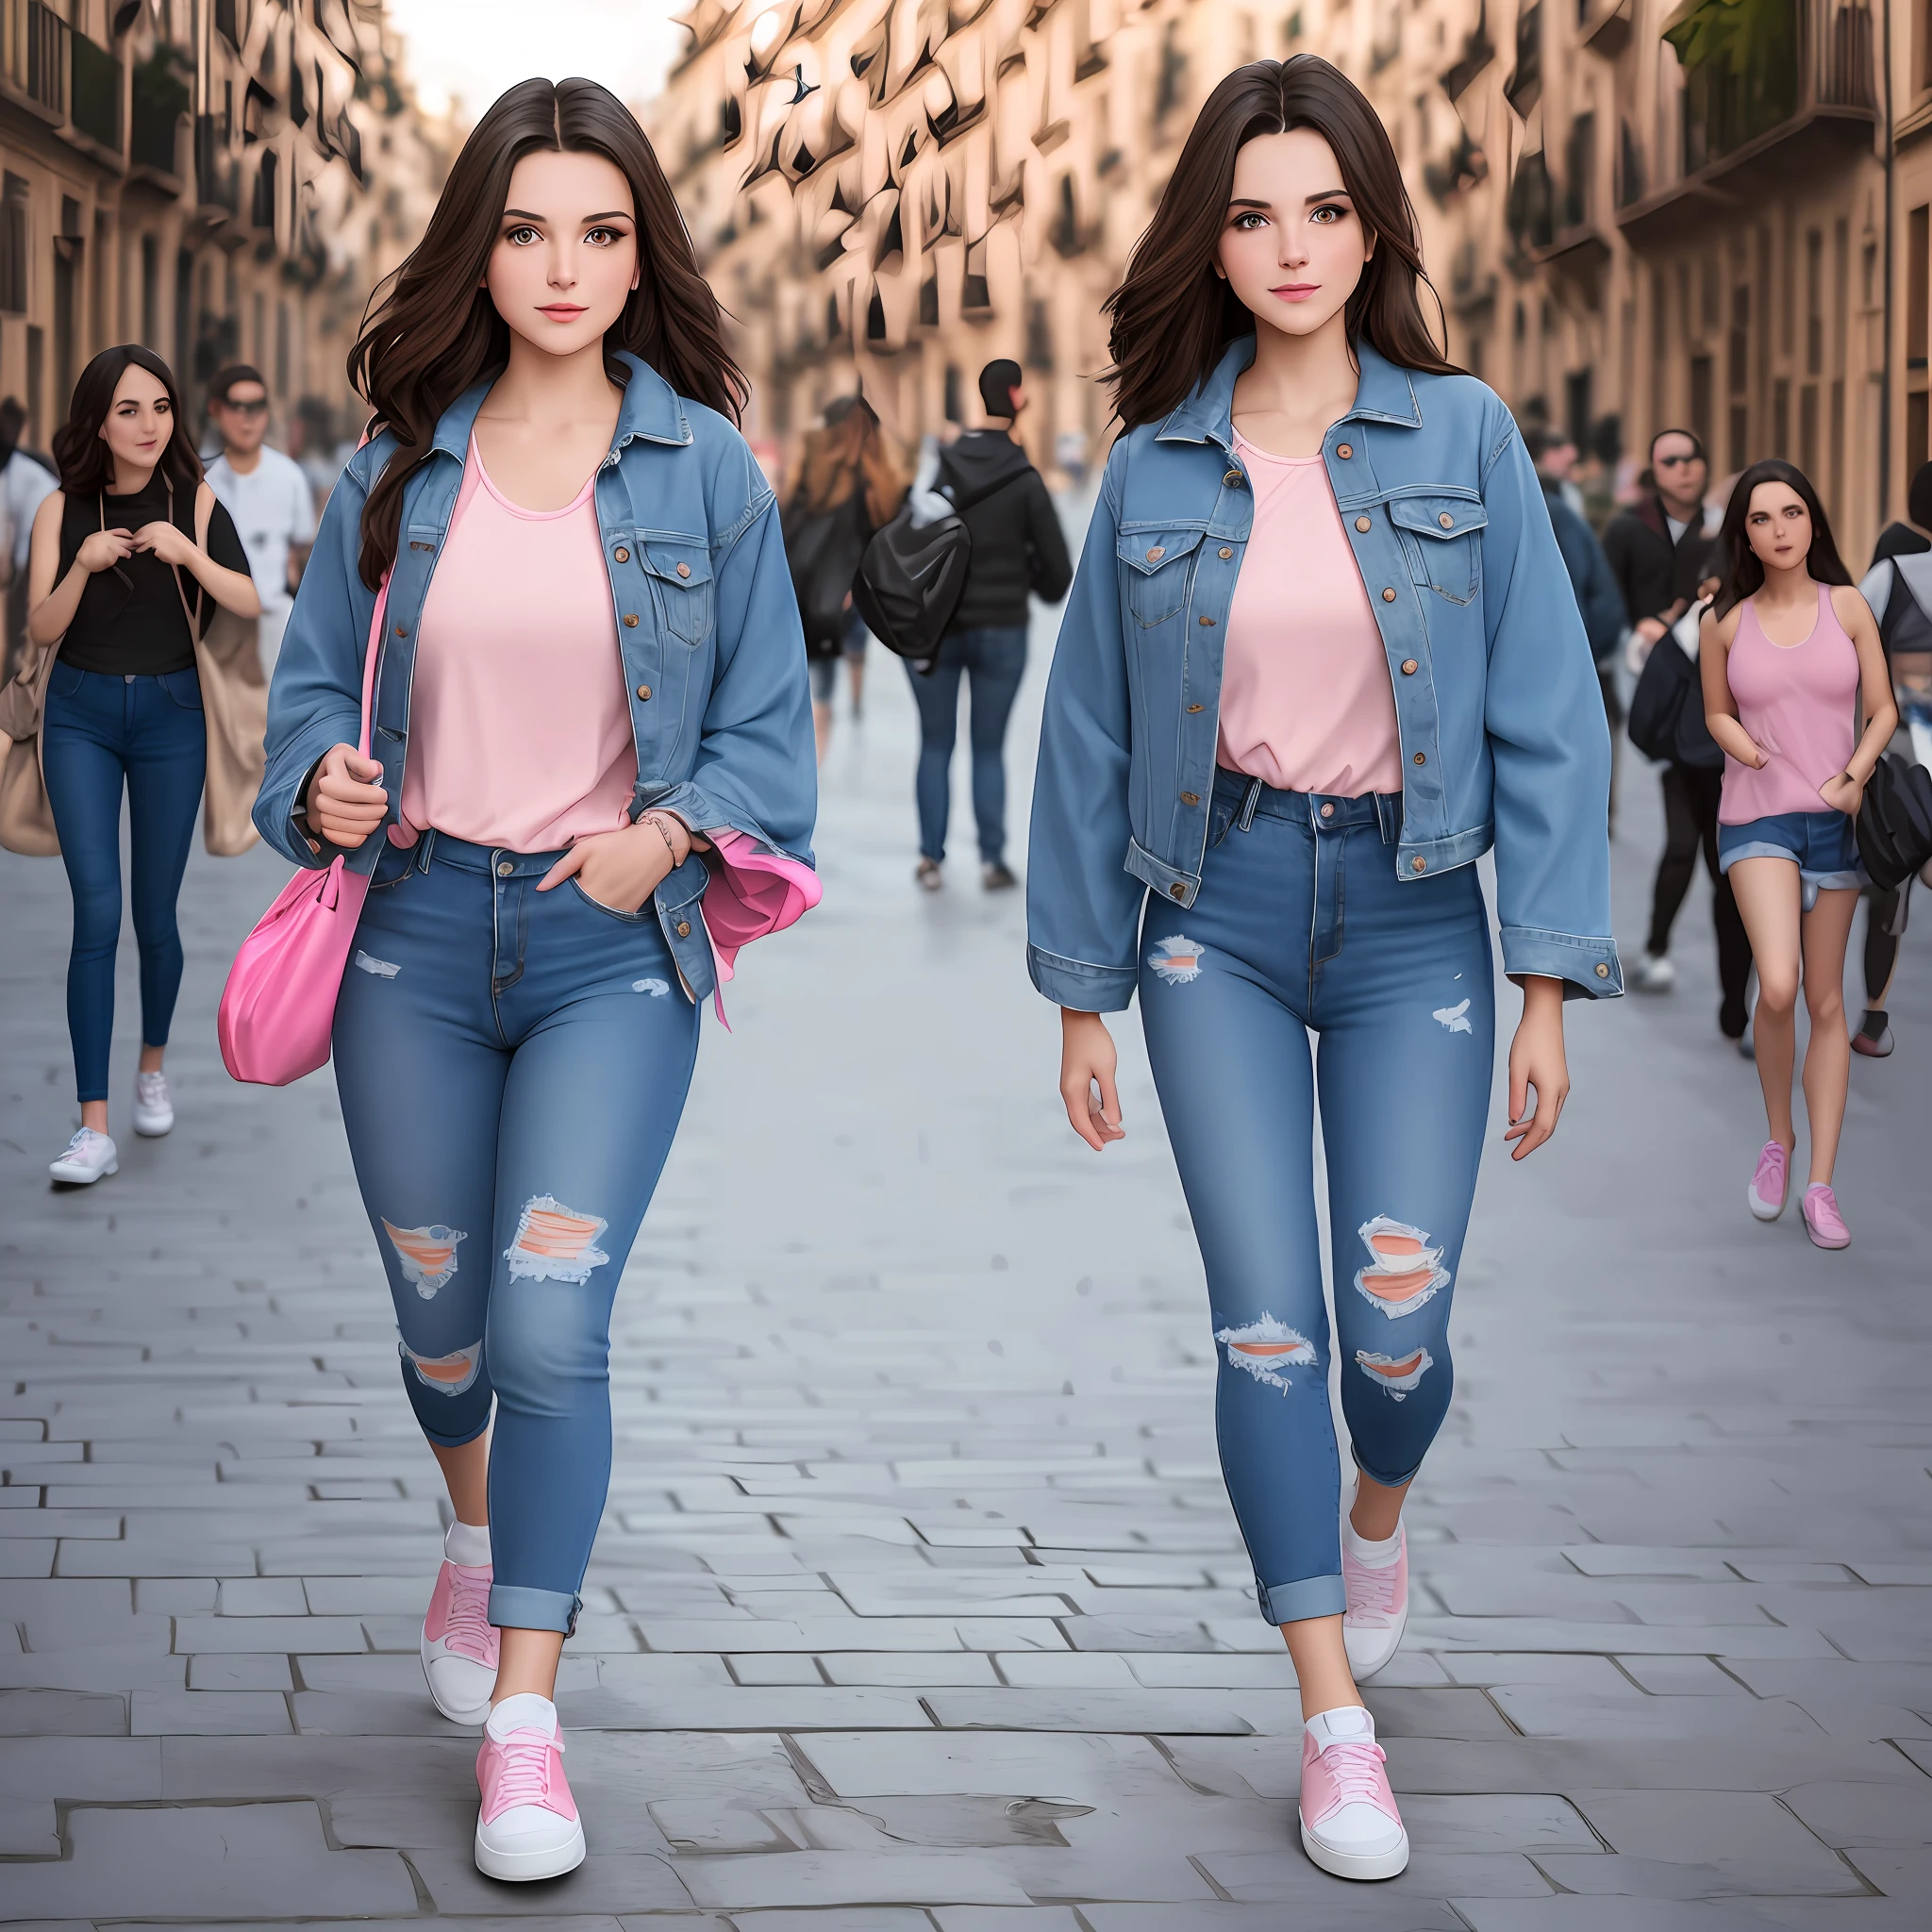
(1384, 394)
(651, 411)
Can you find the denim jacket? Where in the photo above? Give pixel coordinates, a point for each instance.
(1503, 740)
(707, 623)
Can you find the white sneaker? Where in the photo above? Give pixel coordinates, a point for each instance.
(527, 1825)
(154, 1110)
(459, 1647)
(88, 1158)
(1351, 1826)
(1657, 973)
(1378, 1609)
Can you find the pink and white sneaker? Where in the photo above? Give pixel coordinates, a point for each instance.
(1350, 1826)
(1769, 1183)
(459, 1644)
(528, 1825)
(1378, 1609)
(1823, 1222)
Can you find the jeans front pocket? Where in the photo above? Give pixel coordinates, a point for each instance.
(184, 687)
(637, 918)
(66, 682)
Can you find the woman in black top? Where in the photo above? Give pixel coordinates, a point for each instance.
(113, 572)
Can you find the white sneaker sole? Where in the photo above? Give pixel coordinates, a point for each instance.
(457, 1713)
(1372, 1650)
(148, 1128)
(1761, 1210)
(1389, 1864)
(520, 1868)
(82, 1177)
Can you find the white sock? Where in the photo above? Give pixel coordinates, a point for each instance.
(1349, 1723)
(467, 1543)
(1373, 1555)
(524, 1711)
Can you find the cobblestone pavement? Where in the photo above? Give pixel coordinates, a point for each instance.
(919, 1604)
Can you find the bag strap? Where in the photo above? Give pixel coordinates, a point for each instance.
(192, 616)
(369, 660)
(975, 497)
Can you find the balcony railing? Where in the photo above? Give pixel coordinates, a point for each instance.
(33, 54)
(94, 104)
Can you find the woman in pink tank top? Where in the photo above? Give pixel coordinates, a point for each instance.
(1789, 652)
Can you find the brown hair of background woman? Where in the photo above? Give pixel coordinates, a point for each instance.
(1171, 316)
(432, 330)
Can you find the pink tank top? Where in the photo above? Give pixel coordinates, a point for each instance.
(1797, 701)
(1306, 702)
(519, 730)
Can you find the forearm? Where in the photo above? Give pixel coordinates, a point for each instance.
(1732, 738)
(1880, 727)
(50, 617)
(233, 590)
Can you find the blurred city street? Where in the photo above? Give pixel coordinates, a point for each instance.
(919, 1604)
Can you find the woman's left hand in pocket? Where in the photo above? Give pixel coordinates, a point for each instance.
(1843, 794)
(619, 870)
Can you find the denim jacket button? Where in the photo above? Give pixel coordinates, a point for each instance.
(1447, 521)
(630, 620)
(1364, 523)
(684, 570)
(1421, 758)
(684, 929)
(1343, 451)
(1417, 864)
(1226, 550)
(1192, 709)
(503, 869)
(1190, 798)
(1176, 892)
(1602, 972)
(1155, 555)
(644, 692)
(1408, 667)
(1207, 623)
(1327, 811)
(1389, 596)
(1234, 479)
(621, 554)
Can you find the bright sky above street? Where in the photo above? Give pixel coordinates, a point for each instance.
(473, 49)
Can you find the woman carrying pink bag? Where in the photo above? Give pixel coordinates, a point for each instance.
(578, 777)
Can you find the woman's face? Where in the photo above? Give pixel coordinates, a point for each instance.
(1293, 246)
(566, 253)
(1778, 527)
(140, 420)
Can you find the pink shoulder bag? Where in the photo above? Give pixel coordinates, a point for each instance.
(278, 1008)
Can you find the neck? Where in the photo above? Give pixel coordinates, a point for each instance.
(129, 480)
(1787, 584)
(539, 386)
(242, 461)
(1676, 506)
(1288, 370)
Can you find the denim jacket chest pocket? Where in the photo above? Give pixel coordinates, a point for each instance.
(1440, 531)
(1157, 568)
(680, 574)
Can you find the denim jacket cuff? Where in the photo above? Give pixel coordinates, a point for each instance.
(1075, 983)
(1587, 967)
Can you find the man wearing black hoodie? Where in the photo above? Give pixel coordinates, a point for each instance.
(1018, 550)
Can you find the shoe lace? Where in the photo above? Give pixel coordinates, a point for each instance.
(1376, 1587)
(151, 1084)
(525, 1778)
(1357, 1770)
(468, 1631)
(83, 1139)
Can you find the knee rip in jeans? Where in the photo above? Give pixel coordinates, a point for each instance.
(554, 1243)
(1404, 1272)
(1397, 1374)
(428, 1256)
(1267, 1349)
(448, 1374)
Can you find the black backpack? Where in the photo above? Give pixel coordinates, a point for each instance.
(1896, 821)
(821, 550)
(910, 580)
(1666, 719)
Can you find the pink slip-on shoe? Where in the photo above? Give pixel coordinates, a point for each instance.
(1350, 1826)
(459, 1643)
(528, 1825)
(1769, 1183)
(1378, 1608)
(1823, 1222)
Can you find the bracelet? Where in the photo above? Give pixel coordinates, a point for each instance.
(656, 820)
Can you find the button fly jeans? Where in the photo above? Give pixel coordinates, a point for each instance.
(1301, 926)
(511, 1065)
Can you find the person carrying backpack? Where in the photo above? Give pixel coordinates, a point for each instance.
(848, 485)
(1018, 550)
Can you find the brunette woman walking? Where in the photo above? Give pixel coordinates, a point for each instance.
(113, 554)
(1788, 653)
(592, 783)
(1321, 653)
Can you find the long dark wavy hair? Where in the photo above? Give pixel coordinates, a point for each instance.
(432, 330)
(1741, 571)
(1173, 316)
(85, 462)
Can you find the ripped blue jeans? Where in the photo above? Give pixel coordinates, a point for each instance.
(1301, 926)
(511, 1066)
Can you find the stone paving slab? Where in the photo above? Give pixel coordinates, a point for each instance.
(919, 1606)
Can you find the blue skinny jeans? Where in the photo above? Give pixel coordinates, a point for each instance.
(99, 734)
(1301, 926)
(993, 661)
(511, 1066)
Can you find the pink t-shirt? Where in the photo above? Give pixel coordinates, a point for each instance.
(1306, 702)
(520, 732)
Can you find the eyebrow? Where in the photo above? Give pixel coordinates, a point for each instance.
(612, 215)
(1326, 195)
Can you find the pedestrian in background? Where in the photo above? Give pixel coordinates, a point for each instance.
(1599, 599)
(27, 481)
(848, 485)
(266, 493)
(1657, 550)
(1018, 550)
(113, 550)
(1789, 653)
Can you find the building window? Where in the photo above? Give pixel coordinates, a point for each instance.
(13, 244)
(151, 293)
(1807, 429)
(1918, 233)
(1701, 400)
(282, 381)
(1781, 418)
(1814, 302)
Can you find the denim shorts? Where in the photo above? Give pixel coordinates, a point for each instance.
(1823, 845)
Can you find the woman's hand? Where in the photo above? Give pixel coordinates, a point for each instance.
(102, 549)
(1843, 794)
(1088, 1059)
(619, 870)
(1536, 1062)
(345, 804)
(163, 539)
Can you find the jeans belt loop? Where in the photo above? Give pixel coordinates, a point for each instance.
(425, 846)
(1249, 803)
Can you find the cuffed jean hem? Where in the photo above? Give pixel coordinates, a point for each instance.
(1293, 1602)
(437, 1440)
(1375, 1476)
(515, 1608)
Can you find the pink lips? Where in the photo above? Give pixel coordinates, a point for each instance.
(1295, 291)
(563, 311)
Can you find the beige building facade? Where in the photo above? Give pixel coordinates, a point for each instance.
(218, 180)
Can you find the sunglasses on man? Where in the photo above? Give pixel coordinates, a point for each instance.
(258, 407)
